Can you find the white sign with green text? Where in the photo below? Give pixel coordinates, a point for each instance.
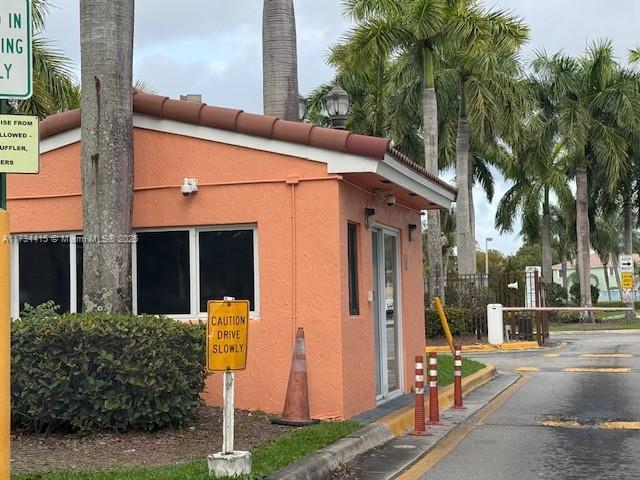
(16, 69)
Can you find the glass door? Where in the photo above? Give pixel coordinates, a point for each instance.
(387, 312)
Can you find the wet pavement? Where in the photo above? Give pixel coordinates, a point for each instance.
(555, 423)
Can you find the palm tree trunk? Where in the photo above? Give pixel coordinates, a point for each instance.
(547, 268)
(582, 226)
(628, 242)
(616, 271)
(106, 43)
(565, 280)
(606, 279)
(430, 119)
(280, 60)
(466, 244)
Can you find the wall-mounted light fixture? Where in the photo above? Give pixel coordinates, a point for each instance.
(413, 230)
(369, 217)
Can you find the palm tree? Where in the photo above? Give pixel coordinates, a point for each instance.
(491, 97)
(412, 30)
(280, 59)
(563, 230)
(597, 104)
(106, 44)
(538, 169)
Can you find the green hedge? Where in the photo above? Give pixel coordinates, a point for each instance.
(458, 319)
(618, 304)
(79, 372)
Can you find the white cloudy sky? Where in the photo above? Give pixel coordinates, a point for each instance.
(213, 47)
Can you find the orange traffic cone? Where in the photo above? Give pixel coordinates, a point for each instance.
(296, 405)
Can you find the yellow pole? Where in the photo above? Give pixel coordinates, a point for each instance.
(5, 348)
(445, 325)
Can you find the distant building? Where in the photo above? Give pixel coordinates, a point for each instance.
(599, 276)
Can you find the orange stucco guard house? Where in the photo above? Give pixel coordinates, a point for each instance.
(318, 228)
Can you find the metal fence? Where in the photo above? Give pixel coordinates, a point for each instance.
(517, 289)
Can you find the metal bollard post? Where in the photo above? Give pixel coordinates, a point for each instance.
(434, 406)
(457, 379)
(419, 425)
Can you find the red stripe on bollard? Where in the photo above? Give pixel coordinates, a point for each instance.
(434, 406)
(457, 378)
(419, 425)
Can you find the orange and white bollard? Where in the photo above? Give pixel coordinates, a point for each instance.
(457, 378)
(419, 426)
(434, 407)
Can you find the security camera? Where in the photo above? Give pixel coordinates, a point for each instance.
(391, 200)
(189, 187)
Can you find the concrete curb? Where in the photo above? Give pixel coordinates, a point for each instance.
(511, 346)
(594, 332)
(319, 465)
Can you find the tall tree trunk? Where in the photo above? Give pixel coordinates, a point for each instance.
(547, 267)
(106, 43)
(472, 207)
(616, 271)
(628, 242)
(565, 280)
(430, 119)
(583, 229)
(280, 60)
(464, 234)
(605, 264)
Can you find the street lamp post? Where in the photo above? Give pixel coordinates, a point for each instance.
(337, 103)
(486, 258)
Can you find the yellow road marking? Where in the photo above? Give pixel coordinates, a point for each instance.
(606, 355)
(598, 370)
(557, 423)
(444, 447)
(552, 355)
(562, 423)
(527, 369)
(619, 425)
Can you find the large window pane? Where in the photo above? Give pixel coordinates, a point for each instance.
(44, 273)
(226, 266)
(163, 272)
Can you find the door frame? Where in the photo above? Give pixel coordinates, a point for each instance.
(386, 395)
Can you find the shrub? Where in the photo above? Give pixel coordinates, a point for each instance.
(458, 319)
(574, 293)
(556, 295)
(565, 317)
(79, 372)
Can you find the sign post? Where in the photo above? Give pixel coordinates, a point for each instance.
(626, 283)
(16, 83)
(227, 342)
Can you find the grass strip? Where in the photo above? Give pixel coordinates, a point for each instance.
(266, 459)
(445, 368)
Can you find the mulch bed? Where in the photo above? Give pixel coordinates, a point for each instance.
(102, 451)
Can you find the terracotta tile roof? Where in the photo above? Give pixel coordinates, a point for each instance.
(250, 124)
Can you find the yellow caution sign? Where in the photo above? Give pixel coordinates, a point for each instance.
(627, 280)
(227, 335)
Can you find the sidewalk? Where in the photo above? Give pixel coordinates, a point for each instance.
(382, 425)
(387, 461)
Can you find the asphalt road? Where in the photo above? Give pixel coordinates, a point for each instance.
(512, 441)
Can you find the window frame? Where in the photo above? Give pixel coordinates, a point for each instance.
(194, 269)
(354, 311)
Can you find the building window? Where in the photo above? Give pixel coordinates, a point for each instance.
(163, 273)
(352, 247)
(174, 272)
(226, 266)
(611, 272)
(44, 271)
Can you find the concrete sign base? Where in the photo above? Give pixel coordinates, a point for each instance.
(229, 465)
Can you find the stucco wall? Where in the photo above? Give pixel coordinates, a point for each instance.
(358, 331)
(253, 187)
